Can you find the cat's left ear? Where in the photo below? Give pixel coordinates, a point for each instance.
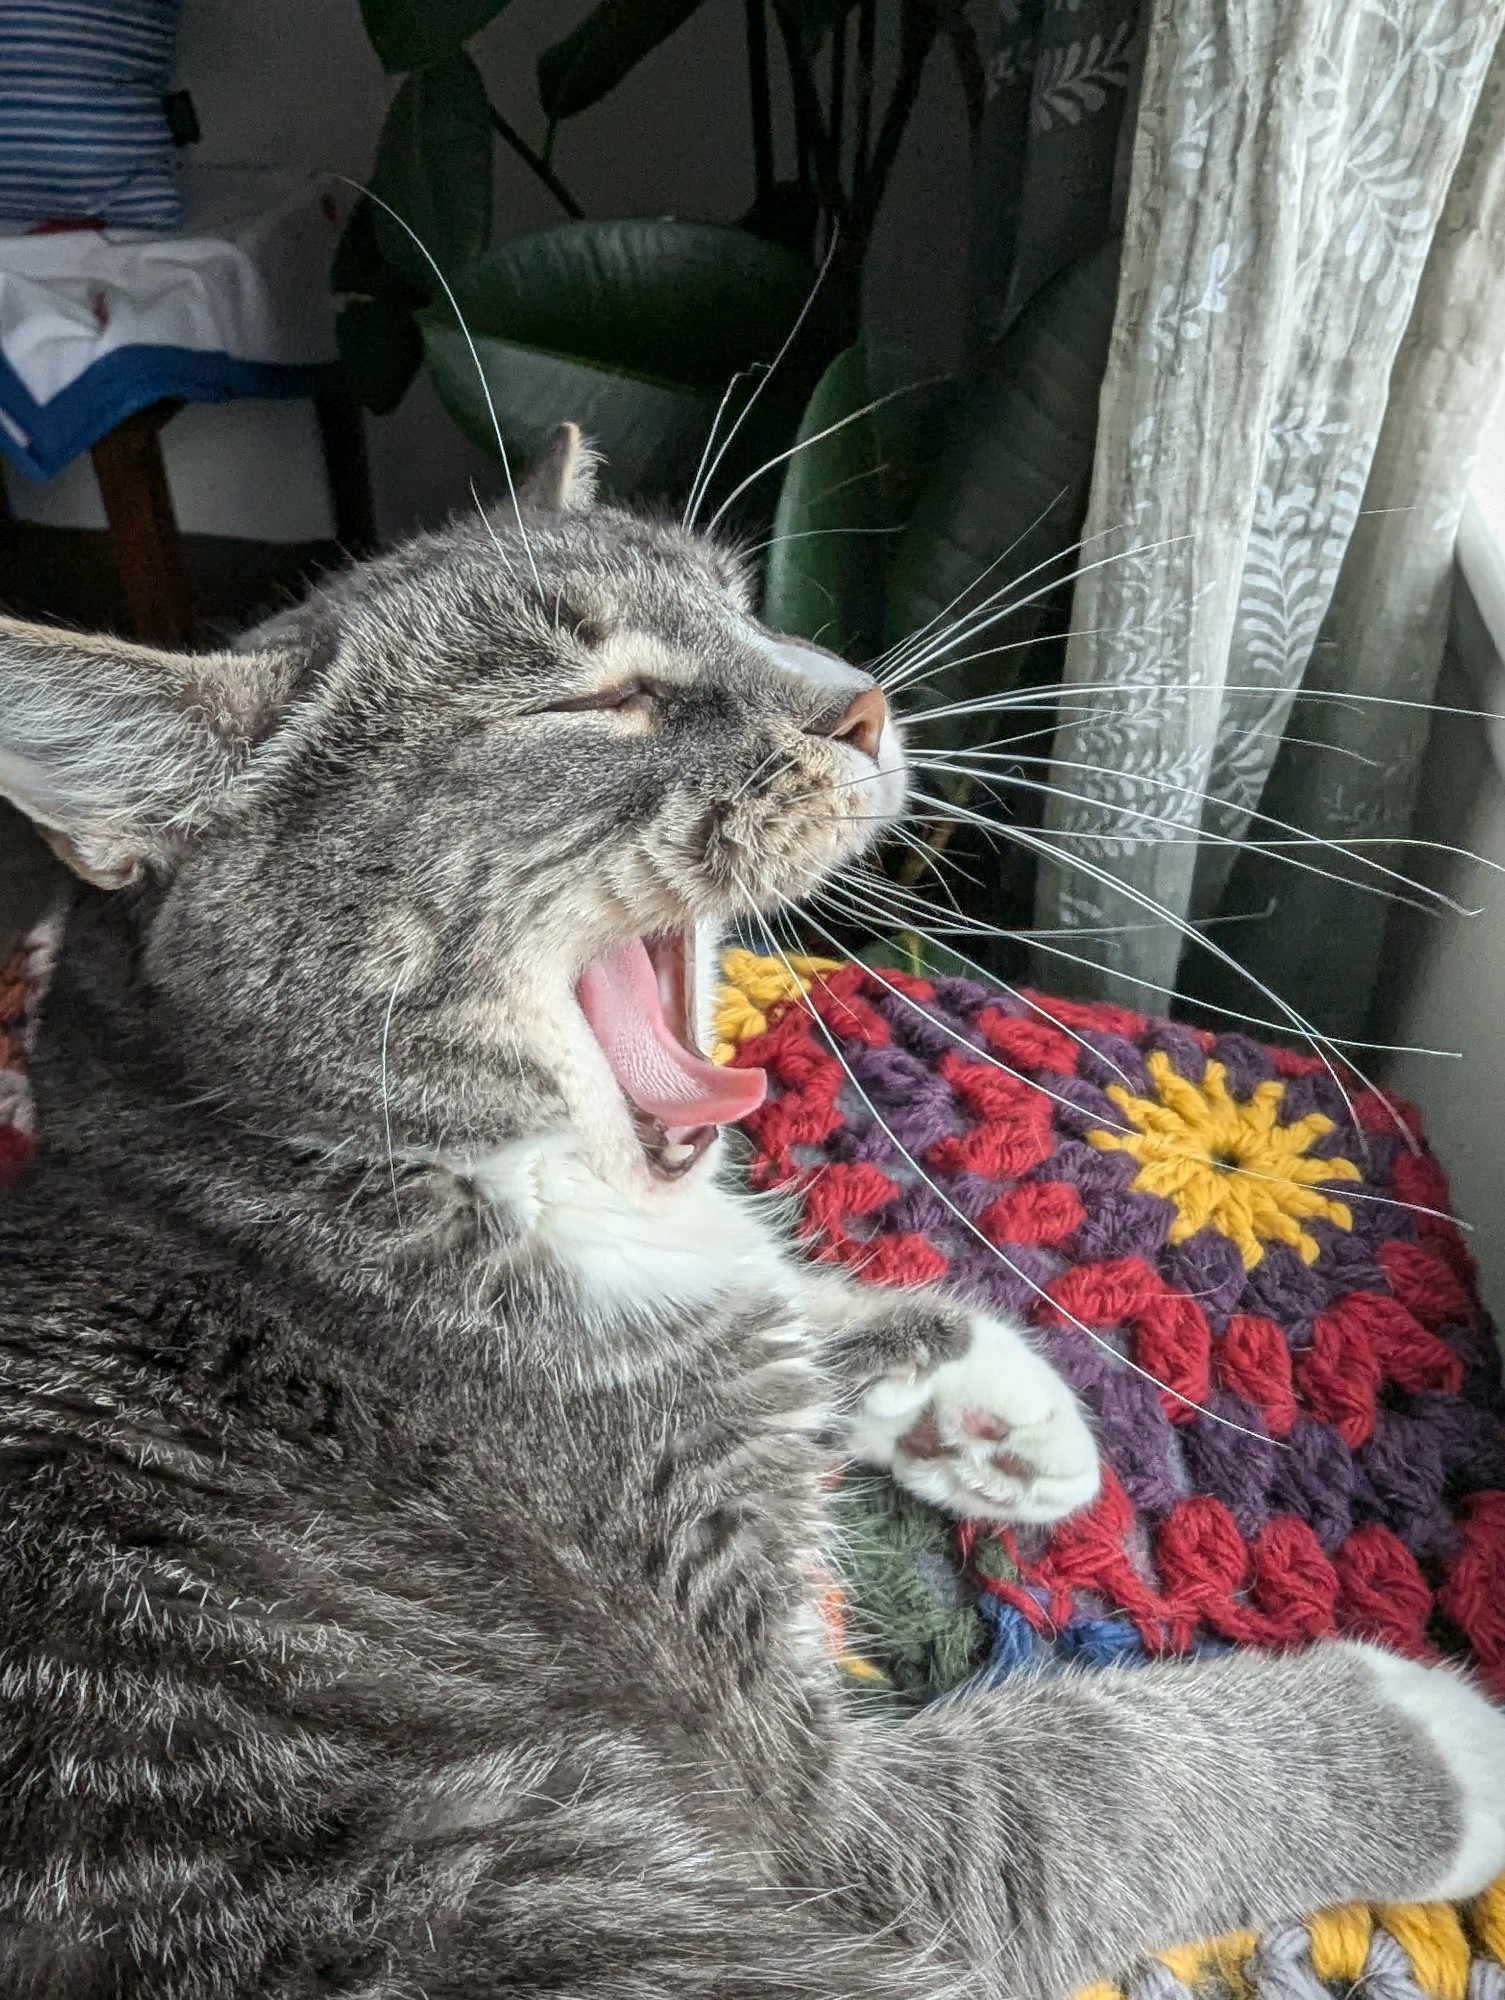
(562, 479)
(117, 753)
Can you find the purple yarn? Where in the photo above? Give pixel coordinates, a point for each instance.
(1125, 1225)
(1181, 1045)
(1078, 1106)
(1108, 1059)
(1399, 1484)
(1209, 1267)
(1138, 1439)
(1288, 1291)
(1248, 1065)
(1228, 1464)
(1314, 1478)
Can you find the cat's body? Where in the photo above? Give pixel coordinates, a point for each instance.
(413, 1461)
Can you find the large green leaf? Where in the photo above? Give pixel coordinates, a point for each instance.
(594, 57)
(681, 302)
(650, 432)
(433, 166)
(1013, 475)
(864, 448)
(632, 329)
(826, 563)
(406, 34)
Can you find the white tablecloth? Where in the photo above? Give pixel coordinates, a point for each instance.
(97, 323)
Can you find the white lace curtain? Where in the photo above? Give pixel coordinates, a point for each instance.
(1308, 339)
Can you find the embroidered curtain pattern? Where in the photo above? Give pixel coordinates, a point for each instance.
(1310, 324)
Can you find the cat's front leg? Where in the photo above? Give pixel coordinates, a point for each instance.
(957, 1404)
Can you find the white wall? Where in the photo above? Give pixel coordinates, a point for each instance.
(1450, 971)
(295, 83)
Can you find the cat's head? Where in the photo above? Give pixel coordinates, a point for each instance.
(443, 851)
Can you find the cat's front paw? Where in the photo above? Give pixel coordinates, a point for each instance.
(1468, 1734)
(994, 1435)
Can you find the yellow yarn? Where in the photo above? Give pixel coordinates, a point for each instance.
(1340, 1941)
(1102, 1991)
(1432, 1938)
(750, 986)
(1488, 1913)
(1191, 1135)
(1222, 1955)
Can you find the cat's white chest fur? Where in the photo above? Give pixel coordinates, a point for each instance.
(672, 1250)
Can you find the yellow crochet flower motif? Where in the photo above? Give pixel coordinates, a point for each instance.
(750, 986)
(1228, 1165)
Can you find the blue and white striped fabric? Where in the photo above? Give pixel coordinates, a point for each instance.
(83, 135)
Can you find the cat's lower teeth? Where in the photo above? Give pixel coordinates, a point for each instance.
(675, 1156)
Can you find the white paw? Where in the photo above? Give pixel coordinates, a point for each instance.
(1468, 1734)
(995, 1436)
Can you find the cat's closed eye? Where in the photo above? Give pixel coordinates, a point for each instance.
(632, 697)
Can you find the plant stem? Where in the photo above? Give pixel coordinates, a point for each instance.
(809, 119)
(761, 101)
(867, 35)
(536, 164)
(838, 94)
(970, 73)
(918, 28)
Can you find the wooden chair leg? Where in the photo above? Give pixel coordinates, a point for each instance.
(144, 541)
(342, 433)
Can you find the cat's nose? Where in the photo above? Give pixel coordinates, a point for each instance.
(861, 724)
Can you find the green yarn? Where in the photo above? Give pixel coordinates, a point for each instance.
(909, 1610)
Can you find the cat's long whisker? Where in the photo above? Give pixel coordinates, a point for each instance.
(454, 306)
(982, 1055)
(965, 1220)
(953, 765)
(895, 655)
(1320, 1044)
(903, 917)
(1146, 985)
(810, 534)
(938, 654)
(693, 506)
(1011, 698)
(710, 439)
(804, 444)
(1235, 1170)
(1025, 999)
(957, 766)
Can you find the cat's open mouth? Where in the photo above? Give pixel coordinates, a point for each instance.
(639, 1001)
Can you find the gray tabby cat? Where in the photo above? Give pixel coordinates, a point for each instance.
(413, 1455)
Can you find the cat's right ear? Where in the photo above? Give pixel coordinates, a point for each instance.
(118, 753)
(562, 479)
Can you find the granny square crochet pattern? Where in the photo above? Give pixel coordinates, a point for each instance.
(1248, 1269)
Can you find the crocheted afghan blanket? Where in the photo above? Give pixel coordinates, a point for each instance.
(1322, 1300)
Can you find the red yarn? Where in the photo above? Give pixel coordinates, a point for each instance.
(1253, 1360)
(1014, 1133)
(1043, 1212)
(1095, 1014)
(1405, 1352)
(1381, 1593)
(1338, 1377)
(1293, 1583)
(1171, 1337)
(1424, 1284)
(1028, 1044)
(1473, 1590)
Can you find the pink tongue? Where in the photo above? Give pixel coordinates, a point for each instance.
(619, 997)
